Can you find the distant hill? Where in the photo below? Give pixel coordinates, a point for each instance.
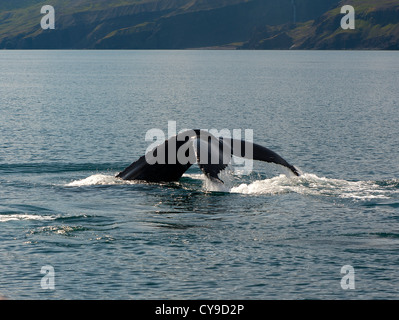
(182, 24)
(376, 27)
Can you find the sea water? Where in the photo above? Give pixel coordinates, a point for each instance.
(71, 120)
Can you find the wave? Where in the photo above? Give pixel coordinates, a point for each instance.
(306, 184)
(106, 179)
(24, 216)
(311, 184)
(6, 217)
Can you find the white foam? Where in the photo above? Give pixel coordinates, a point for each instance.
(98, 179)
(311, 184)
(196, 176)
(275, 185)
(17, 217)
(306, 184)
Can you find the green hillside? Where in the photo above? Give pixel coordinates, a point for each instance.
(21, 18)
(376, 27)
(181, 24)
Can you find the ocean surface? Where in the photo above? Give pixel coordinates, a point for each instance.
(71, 120)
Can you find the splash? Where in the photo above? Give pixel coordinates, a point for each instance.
(306, 184)
(98, 179)
(311, 184)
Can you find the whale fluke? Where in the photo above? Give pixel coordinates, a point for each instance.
(168, 161)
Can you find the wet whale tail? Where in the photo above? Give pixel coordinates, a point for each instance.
(168, 161)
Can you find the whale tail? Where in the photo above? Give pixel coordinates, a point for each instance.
(168, 161)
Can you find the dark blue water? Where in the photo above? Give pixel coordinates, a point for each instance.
(70, 120)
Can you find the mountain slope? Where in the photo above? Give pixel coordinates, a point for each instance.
(75, 21)
(180, 24)
(155, 24)
(376, 27)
